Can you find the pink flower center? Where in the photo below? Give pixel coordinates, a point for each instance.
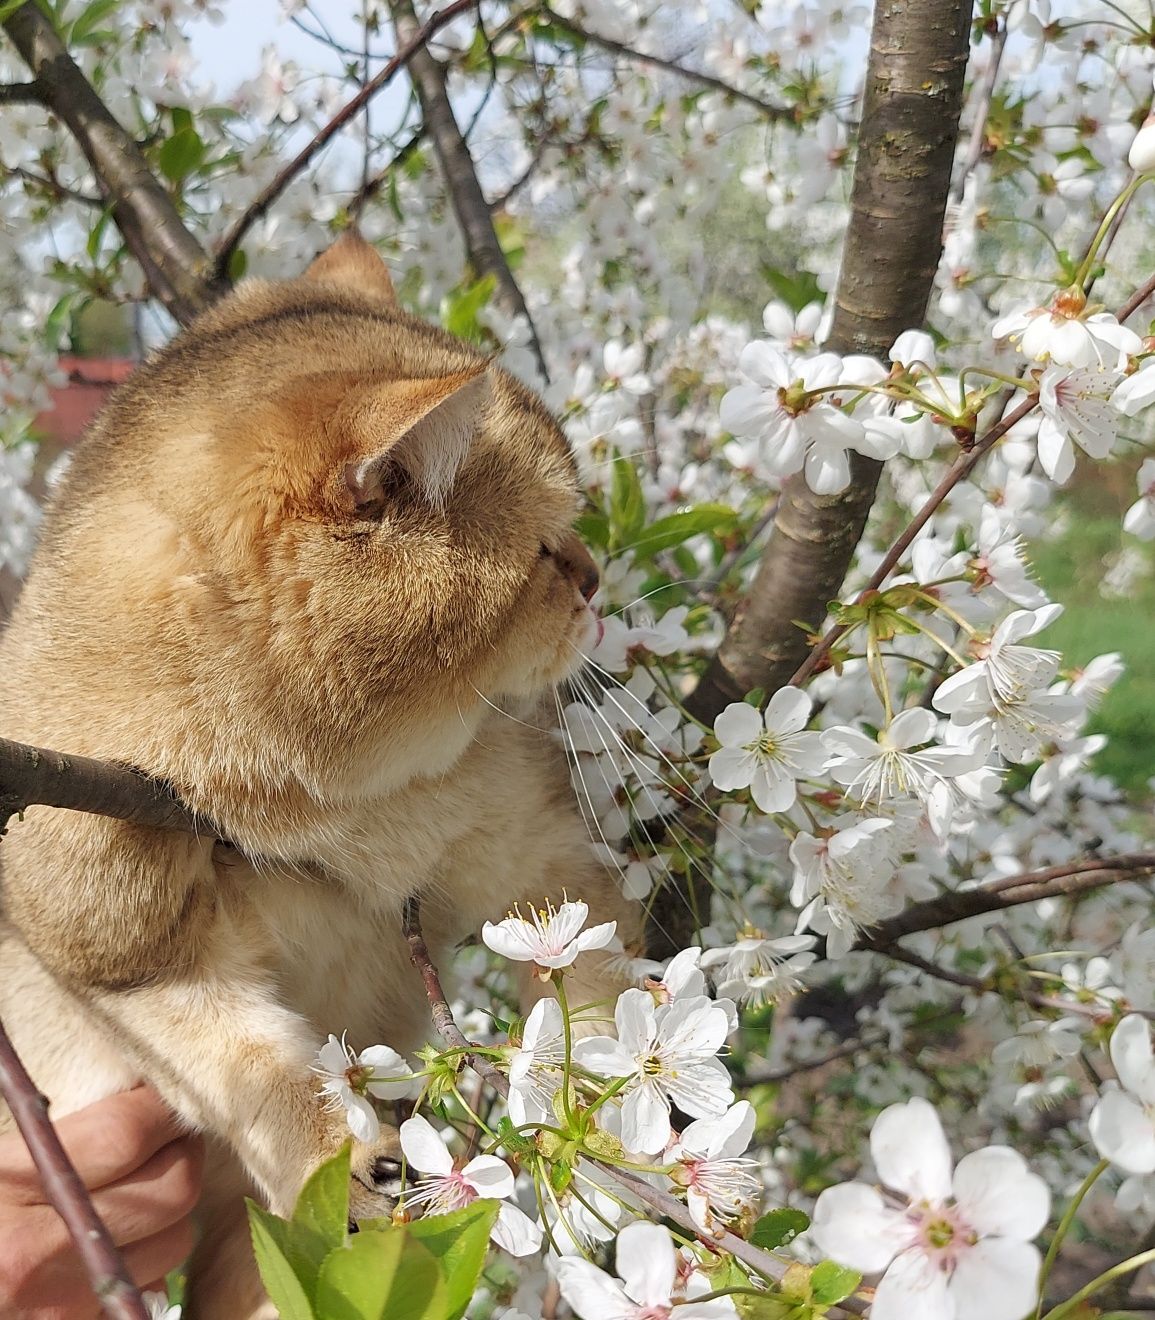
(652, 1313)
(942, 1233)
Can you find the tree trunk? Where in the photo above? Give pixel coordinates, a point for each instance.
(910, 119)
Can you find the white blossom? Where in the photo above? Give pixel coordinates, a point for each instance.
(447, 1188)
(767, 752)
(948, 1247)
(550, 937)
(1123, 1122)
(349, 1078)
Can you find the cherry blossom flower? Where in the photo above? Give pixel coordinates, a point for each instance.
(1123, 1122)
(668, 1052)
(757, 970)
(1000, 562)
(843, 881)
(447, 1188)
(719, 1182)
(624, 366)
(949, 1247)
(913, 348)
(766, 751)
(158, 1307)
(646, 1285)
(348, 1078)
(1005, 669)
(882, 769)
(1077, 409)
(535, 1069)
(550, 937)
(789, 331)
(793, 429)
(1065, 334)
(1140, 517)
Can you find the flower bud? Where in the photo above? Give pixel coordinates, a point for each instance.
(1141, 157)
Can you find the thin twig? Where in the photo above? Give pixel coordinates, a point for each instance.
(775, 112)
(61, 192)
(269, 194)
(983, 94)
(25, 93)
(111, 1282)
(662, 1203)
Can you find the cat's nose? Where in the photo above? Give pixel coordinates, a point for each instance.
(576, 562)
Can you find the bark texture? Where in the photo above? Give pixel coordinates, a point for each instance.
(910, 120)
(473, 213)
(175, 265)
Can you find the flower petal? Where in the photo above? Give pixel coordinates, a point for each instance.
(423, 1148)
(489, 1176)
(910, 1151)
(853, 1226)
(646, 1263)
(515, 1231)
(739, 724)
(998, 1195)
(645, 1120)
(591, 1292)
(361, 1117)
(1131, 1054)
(995, 1280)
(788, 710)
(913, 1286)
(1123, 1133)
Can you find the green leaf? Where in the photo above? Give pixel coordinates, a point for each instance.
(180, 154)
(323, 1205)
(674, 528)
(627, 504)
(594, 529)
(459, 1243)
(461, 308)
(84, 30)
(796, 290)
(273, 1259)
(779, 1227)
(238, 264)
(830, 1283)
(9, 7)
(382, 1276)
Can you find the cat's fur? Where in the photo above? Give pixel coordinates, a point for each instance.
(298, 556)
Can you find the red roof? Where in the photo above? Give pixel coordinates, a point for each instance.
(74, 405)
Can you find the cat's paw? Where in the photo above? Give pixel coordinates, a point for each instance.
(375, 1183)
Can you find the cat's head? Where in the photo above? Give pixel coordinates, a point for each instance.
(352, 519)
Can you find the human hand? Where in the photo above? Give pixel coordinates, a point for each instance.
(144, 1176)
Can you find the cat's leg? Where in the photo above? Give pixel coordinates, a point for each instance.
(167, 955)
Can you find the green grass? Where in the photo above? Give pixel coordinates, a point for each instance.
(1071, 567)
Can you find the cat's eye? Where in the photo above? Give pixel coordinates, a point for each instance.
(543, 551)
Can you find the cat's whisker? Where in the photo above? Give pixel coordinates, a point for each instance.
(537, 728)
(600, 724)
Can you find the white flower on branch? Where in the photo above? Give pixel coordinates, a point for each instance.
(349, 1078)
(767, 752)
(535, 1069)
(881, 770)
(646, 1287)
(757, 970)
(1067, 336)
(668, 1053)
(841, 882)
(550, 937)
(1123, 1122)
(1000, 561)
(720, 1184)
(1078, 410)
(1137, 391)
(447, 1188)
(950, 1247)
(796, 428)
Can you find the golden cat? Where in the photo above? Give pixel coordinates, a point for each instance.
(298, 557)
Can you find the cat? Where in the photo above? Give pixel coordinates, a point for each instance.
(305, 566)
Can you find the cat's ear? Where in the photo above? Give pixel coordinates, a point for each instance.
(353, 264)
(421, 426)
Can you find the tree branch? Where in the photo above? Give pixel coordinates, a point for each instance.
(770, 111)
(25, 93)
(913, 98)
(412, 49)
(468, 201)
(34, 776)
(663, 1203)
(174, 263)
(61, 192)
(1012, 891)
(111, 1282)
